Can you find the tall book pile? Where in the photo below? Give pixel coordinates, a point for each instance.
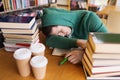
(101, 60)
(18, 31)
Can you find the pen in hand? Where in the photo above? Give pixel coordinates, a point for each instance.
(63, 61)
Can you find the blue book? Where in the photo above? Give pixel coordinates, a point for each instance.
(20, 22)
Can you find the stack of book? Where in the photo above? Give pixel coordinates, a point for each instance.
(18, 31)
(102, 56)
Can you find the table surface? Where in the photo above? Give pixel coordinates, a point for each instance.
(54, 71)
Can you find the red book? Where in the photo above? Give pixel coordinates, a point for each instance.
(14, 4)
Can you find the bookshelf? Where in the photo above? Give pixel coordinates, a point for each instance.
(97, 5)
(40, 4)
(112, 2)
(24, 9)
(78, 4)
(64, 4)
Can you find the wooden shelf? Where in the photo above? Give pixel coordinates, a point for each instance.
(64, 4)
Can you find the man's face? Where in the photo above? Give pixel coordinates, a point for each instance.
(60, 30)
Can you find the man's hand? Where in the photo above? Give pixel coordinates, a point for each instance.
(75, 56)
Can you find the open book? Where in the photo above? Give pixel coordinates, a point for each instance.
(60, 52)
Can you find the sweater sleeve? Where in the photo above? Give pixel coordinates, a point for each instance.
(95, 24)
(60, 42)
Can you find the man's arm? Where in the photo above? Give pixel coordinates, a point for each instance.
(64, 42)
(61, 42)
(81, 43)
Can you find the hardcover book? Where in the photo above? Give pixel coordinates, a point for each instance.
(102, 76)
(9, 49)
(94, 56)
(105, 42)
(14, 40)
(100, 69)
(16, 44)
(102, 60)
(22, 41)
(22, 36)
(9, 45)
(96, 76)
(20, 22)
(20, 31)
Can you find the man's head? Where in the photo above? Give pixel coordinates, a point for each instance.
(56, 30)
(53, 17)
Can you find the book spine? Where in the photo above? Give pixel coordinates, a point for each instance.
(10, 4)
(14, 4)
(32, 2)
(3, 2)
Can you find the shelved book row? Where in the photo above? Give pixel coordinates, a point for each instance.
(102, 56)
(19, 31)
(21, 4)
(78, 4)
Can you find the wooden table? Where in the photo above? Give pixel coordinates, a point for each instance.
(68, 71)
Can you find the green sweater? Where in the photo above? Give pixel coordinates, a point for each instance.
(81, 21)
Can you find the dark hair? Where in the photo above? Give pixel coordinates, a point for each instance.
(46, 30)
